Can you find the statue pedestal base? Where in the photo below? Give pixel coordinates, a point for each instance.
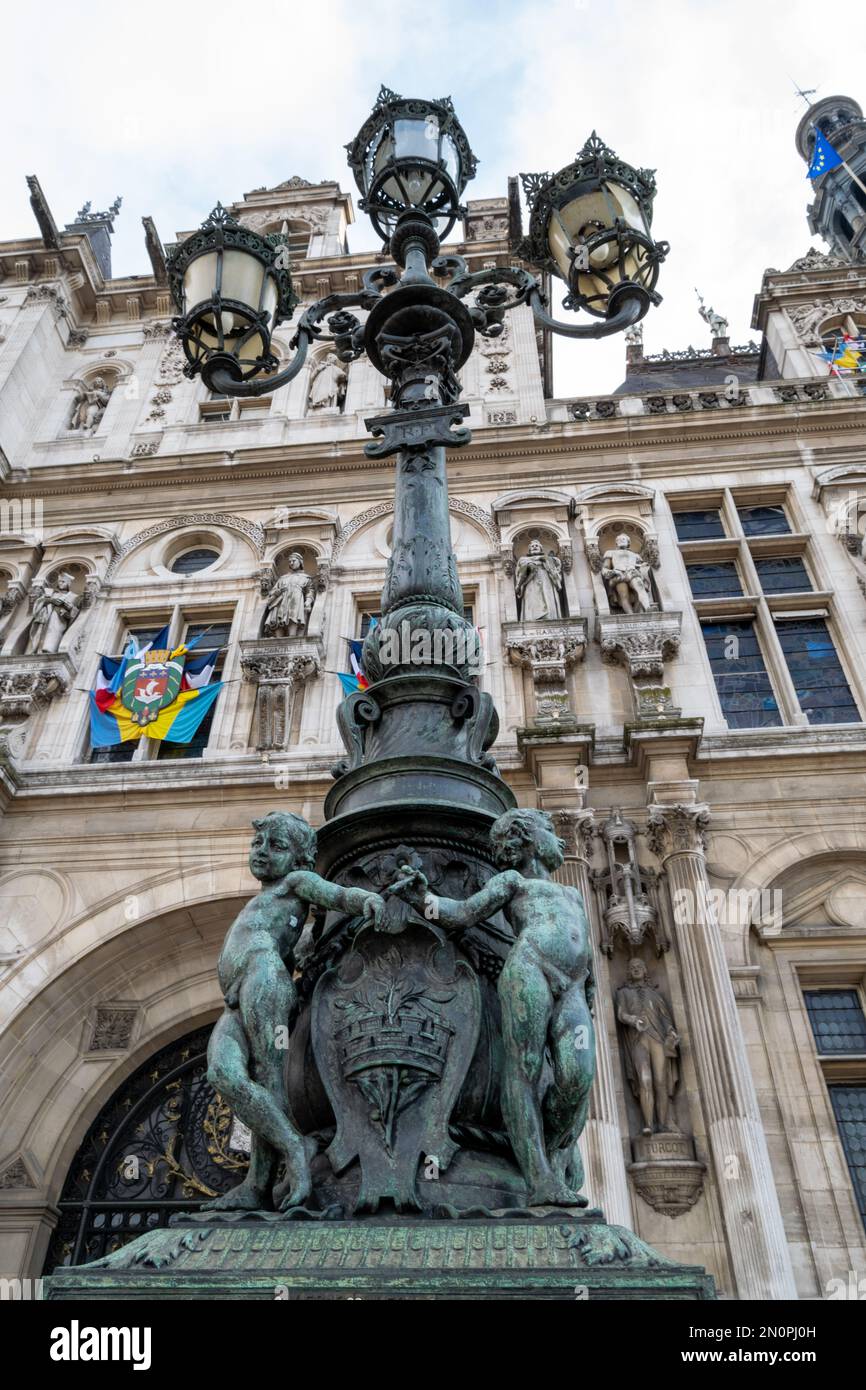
(262, 1255)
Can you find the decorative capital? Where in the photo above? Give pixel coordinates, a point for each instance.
(641, 642)
(576, 829)
(280, 660)
(677, 829)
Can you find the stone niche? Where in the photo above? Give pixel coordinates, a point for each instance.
(542, 630)
(635, 627)
(290, 647)
(48, 589)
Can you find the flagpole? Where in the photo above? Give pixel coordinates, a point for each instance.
(859, 182)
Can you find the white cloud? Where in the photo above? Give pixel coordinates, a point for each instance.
(176, 107)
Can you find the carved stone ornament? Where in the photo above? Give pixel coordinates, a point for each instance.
(816, 260)
(642, 642)
(678, 828)
(278, 666)
(666, 1173)
(47, 294)
(628, 915)
(577, 830)
(547, 650)
(28, 683)
(807, 318)
(112, 1028)
(15, 1175)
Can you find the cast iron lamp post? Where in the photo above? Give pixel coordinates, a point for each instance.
(418, 783)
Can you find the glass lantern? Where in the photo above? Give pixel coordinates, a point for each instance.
(232, 287)
(411, 154)
(590, 225)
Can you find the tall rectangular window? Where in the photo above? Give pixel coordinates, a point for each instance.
(744, 688)
(849, 1107)
(705, 525)
(719, 580)
(216, 635)
(782, 574)
(822, 690)
(837, 1020)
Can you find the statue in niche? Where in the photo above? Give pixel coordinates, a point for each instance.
(89, 407)
(626, 578)
(651, 1048)
(55, 609)
(290, 600)
(327, 383)
(545, 990)
(247, 1049)
(537, 583)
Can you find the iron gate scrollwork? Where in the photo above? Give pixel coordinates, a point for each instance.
(164, 1143)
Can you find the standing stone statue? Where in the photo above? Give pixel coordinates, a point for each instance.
(327, 382)
(718, 325)
(89, 406)
(54, 610)
(651, 1048)
(290, 600)
(537, 583)
(545, 992)
(626, 577)
(246, 1052)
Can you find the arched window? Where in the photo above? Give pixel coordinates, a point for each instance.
(164, 1143)
(191, 561)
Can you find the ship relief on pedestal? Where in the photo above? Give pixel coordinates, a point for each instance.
(395, 1026)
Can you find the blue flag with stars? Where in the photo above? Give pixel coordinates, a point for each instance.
(824, 157)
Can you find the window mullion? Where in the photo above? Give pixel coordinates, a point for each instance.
(777, 666)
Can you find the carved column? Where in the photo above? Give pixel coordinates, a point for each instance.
(758, 1248)
(601, 1142)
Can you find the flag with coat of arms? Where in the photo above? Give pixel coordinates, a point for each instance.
(153, 691)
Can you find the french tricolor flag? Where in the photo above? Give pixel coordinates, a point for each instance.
(198, 670)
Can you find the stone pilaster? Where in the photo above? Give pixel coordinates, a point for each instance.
(601, 1142)
(755, 1231)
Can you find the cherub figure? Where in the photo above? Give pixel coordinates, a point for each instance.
(246, 1062)
(545, 990)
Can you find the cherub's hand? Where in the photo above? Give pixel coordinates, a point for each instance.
(412, 885)
(374, 910)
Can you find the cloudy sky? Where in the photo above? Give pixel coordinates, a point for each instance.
(176, 106)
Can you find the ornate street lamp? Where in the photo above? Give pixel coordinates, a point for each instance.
(418, 784)
(590, 226)
(232, 288)
(411, 153)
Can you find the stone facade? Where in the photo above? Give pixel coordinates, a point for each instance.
(739, 877)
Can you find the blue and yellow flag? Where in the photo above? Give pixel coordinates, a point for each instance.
(824, 157)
